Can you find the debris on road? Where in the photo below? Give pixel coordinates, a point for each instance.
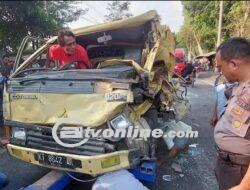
(121, 180)
(193, 145)
(167, 178)
(196, 125)
(181, 175)
(193, 151)
(176, 167)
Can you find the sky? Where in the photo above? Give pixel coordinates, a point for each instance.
(170, 12)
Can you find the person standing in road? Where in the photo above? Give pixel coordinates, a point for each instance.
(223, 92)
(6, 66)
(232, 131)
(5, 70)
(3, 177)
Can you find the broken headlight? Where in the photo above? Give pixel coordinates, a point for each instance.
(18, 134)
(120, 122)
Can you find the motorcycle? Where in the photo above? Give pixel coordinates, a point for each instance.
(189, 79)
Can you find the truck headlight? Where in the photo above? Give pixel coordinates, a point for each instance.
(18, 133)
(120, 122)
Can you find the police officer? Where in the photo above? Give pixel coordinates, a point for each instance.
(232, 131)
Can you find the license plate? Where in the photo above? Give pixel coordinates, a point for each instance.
(54, 160)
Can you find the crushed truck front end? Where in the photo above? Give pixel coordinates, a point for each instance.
(130, 85)
(30, 116)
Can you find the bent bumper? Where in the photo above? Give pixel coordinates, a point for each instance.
(89, 164)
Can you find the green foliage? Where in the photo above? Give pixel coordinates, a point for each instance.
(118, 10)
(36, 18)
(201, 18)
(185, 38)
(238, 19)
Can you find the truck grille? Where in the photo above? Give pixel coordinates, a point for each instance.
(40, 137)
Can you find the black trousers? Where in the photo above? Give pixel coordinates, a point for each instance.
(228, 174)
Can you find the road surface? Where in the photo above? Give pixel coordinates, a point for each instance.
(197, 165)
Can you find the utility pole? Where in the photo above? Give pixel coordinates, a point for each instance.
(46, 7)
(198, 44)
(220, 24)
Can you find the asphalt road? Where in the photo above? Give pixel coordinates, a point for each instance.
(196, 165)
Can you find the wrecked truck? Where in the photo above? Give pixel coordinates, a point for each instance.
(130, 84)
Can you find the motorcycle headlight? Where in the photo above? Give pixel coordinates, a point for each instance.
(120, 122)
(18, 133)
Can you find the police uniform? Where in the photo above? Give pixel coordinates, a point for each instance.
(232, 136)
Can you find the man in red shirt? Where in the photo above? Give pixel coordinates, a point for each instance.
(67, 50)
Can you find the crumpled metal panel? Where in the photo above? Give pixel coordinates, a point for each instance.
(75, 81)
(52, 86)
(91, 109)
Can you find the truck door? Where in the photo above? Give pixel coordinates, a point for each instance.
(28, 46)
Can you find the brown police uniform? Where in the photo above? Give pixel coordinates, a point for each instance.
(232, 136)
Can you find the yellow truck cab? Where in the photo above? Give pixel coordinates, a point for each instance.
(130, 82)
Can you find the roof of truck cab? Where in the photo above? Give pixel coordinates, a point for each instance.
(118, 24)
(124, 23)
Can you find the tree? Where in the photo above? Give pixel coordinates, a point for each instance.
(118, 10)
(36, 18)
(236, 26)
(188, 39)
(201, 20)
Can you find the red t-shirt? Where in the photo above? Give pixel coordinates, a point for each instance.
(57, 53)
